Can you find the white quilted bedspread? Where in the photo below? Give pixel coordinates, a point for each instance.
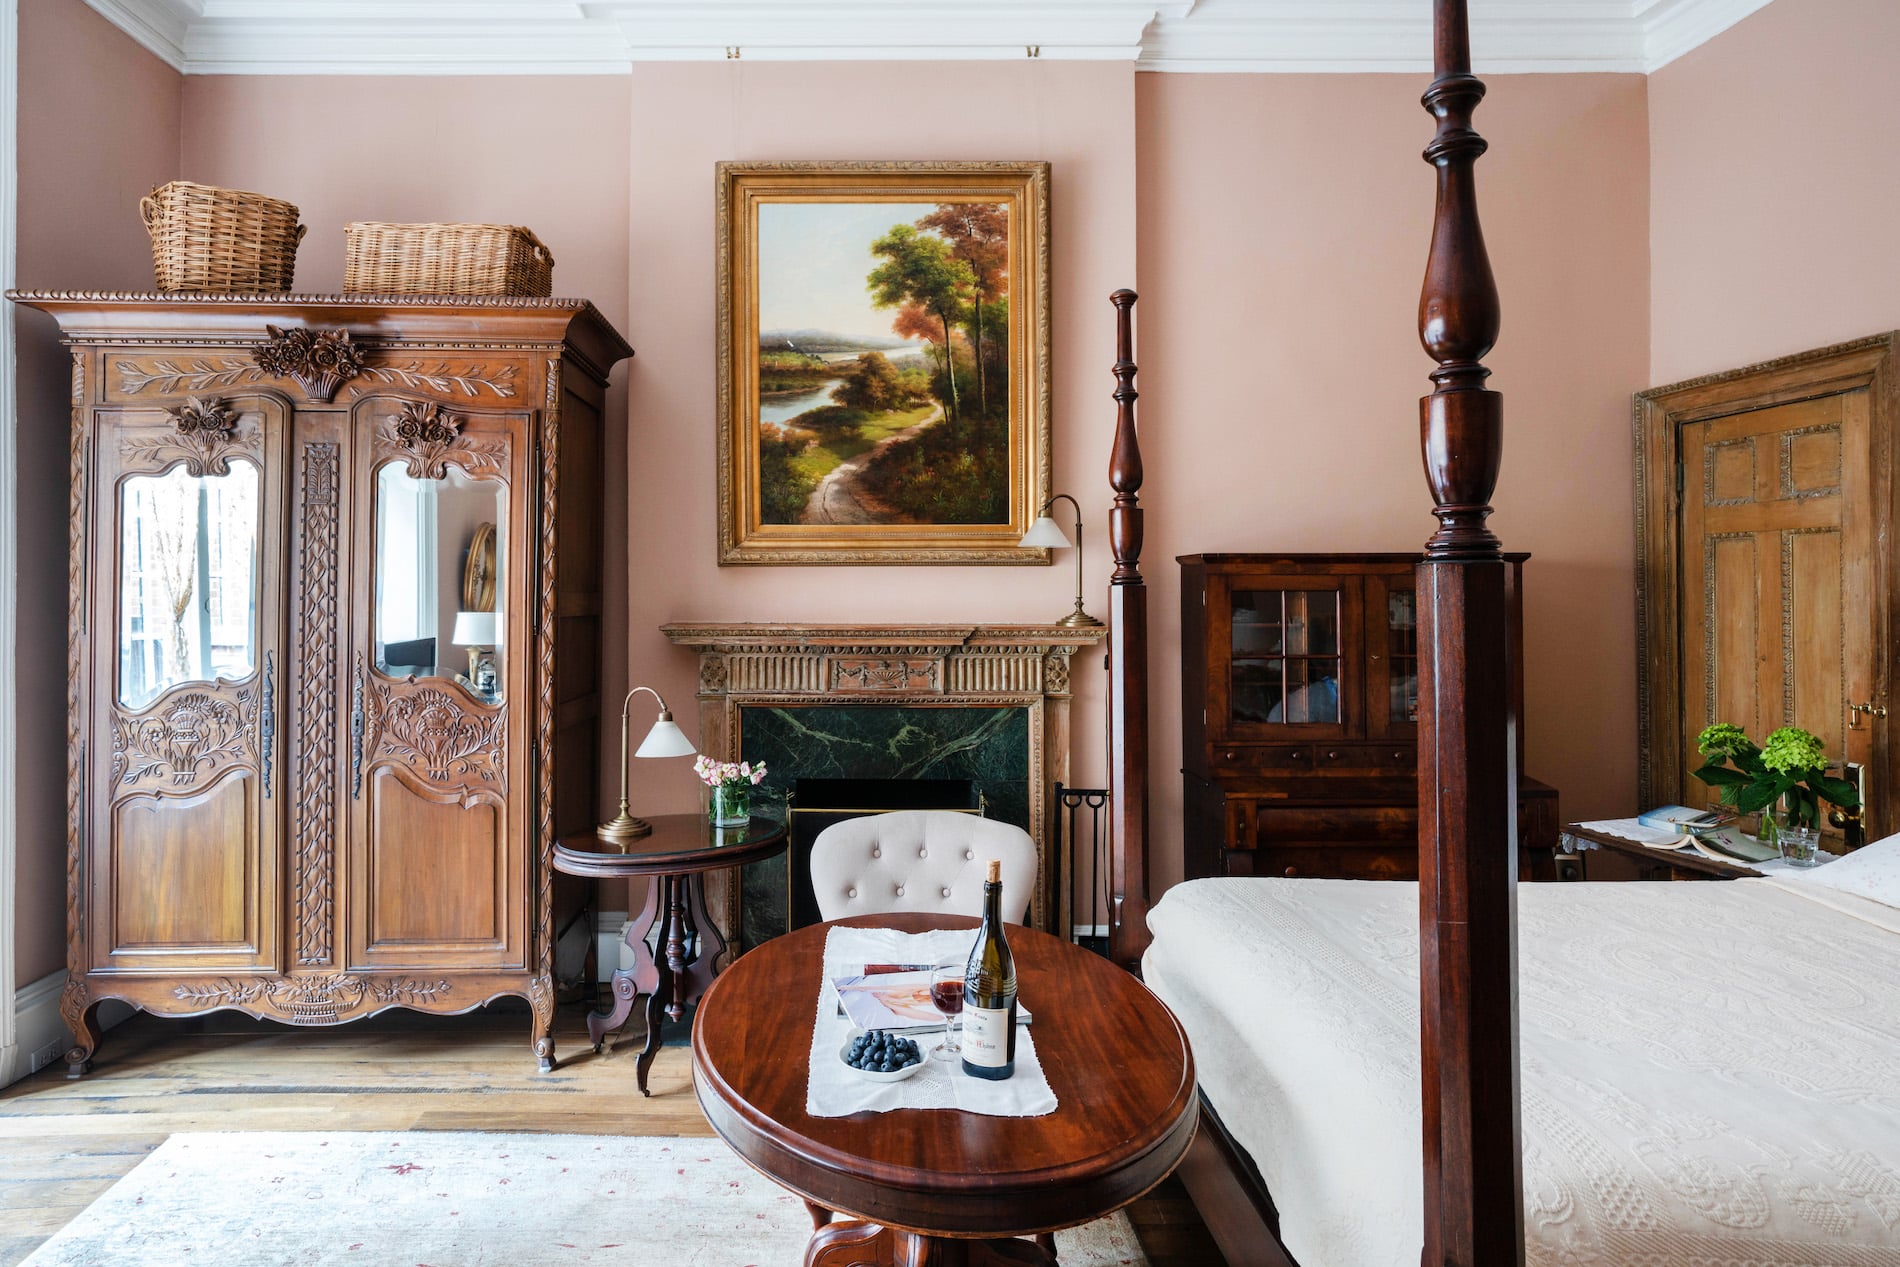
(1711, 1072)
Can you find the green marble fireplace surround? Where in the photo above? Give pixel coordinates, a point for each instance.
(987, 745)
(988, 703)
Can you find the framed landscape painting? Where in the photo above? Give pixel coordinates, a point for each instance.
(883, 361)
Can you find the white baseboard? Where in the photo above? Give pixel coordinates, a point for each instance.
(38, 1032)
(610, 947)
(37, 1029)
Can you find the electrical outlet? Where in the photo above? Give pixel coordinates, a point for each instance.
(45, 1056)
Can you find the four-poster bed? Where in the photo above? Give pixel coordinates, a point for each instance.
(1316, 1053)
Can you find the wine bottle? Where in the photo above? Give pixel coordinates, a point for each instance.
(989, 992)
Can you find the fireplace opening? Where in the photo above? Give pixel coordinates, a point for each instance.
(815, 804)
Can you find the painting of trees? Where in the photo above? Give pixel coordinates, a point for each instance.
(920, 271)
(875, 320)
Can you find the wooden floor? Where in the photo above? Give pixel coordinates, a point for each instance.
(64, 1142)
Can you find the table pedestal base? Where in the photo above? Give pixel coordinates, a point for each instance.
(688, 943)
(852, 1243)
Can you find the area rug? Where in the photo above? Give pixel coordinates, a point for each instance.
(460, 1199)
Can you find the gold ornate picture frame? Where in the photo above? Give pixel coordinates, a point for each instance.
(883, 361)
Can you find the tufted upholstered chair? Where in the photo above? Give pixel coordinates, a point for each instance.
(919, 860)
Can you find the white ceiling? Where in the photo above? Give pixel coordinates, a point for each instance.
(262, 37)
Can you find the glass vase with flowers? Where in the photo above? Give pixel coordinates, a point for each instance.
(1785, 779)
(731, 784)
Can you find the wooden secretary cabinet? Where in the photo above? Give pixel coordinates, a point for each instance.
(293, 790)
(1299, 695)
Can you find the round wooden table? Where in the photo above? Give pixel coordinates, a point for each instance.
(938, 1186)
(674, 858)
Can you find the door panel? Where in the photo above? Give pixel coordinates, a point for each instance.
(1777, 624)
(440, 850)
(437, 871)
(184, 870)
(187, 699)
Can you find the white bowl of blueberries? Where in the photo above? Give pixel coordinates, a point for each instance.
(882, 1056)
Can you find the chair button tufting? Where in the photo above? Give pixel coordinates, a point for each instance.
(900, 890)
(850, 892)
(946, 892)
(969, 853)
(876, 852)
(923, 853)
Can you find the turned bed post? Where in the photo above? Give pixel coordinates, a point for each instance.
(1474, 1205)
(1128, 665)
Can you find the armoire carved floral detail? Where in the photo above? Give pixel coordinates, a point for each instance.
(468, 380)
(168, 376)
(193, 735)
(427, 437)
(205, 434)
(311, 1000)
(319, 361)
(315, 812)
(438, 736)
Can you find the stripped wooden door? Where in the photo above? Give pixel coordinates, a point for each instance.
(1776, 576)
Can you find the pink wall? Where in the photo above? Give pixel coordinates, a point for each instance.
(1774, 179)
(687, 116)
(1283, 227)
(98, 127)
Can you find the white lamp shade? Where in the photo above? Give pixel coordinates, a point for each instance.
(666, 739)
(474, 629)
(1046, 532)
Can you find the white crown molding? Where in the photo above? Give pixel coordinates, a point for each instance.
(407, 37)
(1674, 27)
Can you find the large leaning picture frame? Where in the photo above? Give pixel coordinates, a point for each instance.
(883, 361)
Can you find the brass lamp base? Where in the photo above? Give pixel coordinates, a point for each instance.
(1079, 619)
(623, 826)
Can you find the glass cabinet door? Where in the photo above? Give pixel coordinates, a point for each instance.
(1285, 650)
(440, 562)
(1392, 642)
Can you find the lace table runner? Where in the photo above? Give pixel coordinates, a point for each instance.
(836, 1090)
(1665, 842)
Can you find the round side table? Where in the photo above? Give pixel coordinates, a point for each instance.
(940, 1186)
(674, 859)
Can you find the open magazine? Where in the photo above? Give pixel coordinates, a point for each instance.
(894, 998)
(1728, 844)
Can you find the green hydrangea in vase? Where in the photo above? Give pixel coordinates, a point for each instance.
(1785, 780)
(731, 782)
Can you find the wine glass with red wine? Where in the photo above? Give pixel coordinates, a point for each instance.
(946, 995)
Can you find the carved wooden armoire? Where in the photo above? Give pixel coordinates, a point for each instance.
(335, 648)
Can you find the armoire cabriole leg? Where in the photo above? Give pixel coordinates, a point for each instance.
(541, 1002)
(80, 1014)
(1474, 1208)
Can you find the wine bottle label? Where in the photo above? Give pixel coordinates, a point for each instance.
(986, 1035)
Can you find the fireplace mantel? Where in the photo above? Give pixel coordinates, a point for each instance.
(979, 665)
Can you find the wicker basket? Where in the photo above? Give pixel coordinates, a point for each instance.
(220, 240)
(445, 259)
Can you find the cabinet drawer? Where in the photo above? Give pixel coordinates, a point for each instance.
(1327, 827)
(1348, 862)
(1370, 759)
(1262, 758)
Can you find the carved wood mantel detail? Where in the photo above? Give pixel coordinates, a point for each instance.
(786, 665)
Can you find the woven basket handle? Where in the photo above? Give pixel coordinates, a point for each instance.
(149, 212)
(540, 247)
(301, 230)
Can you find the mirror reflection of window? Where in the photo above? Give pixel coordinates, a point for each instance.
(188, 580)
(424, 531)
